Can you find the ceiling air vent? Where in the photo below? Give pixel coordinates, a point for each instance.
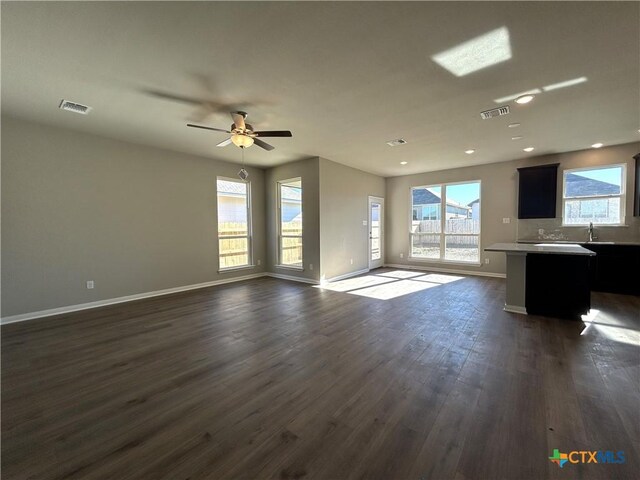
(74, 107)
(396, 142)
(496, 112)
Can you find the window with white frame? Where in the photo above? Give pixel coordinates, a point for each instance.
(445, 222)
(290, 223)
(234, 223)
(594, 195)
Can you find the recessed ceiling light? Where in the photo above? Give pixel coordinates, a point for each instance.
(469, 152)
(514, 125)
(528, 149)
(508, 98)
(403, 163)
(516, 138)
(522, 99)
(475, 54)
(597, 145)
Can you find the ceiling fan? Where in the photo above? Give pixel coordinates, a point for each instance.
(243, 135)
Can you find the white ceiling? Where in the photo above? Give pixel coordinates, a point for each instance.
(344, 77)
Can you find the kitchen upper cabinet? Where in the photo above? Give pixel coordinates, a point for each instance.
(537, 190)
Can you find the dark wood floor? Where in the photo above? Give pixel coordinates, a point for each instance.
(274, 379)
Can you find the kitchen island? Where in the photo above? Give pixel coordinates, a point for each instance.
(546, 279)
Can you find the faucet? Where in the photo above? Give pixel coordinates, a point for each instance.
(591, 237)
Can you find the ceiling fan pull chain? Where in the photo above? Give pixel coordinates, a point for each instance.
(243, 174)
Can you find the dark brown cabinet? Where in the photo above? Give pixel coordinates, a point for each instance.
(537, 189)
(636, 197)
(615, 268)
(557, 285)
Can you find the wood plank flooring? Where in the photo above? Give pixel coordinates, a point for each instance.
(392, 375)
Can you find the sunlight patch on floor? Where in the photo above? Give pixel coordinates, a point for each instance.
(612, 328)
(395, 289)
(354, 283)
(399, 274)
(388, 285)
(438, 278)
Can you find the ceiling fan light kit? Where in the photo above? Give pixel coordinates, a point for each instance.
(241, 140)
(243, 135)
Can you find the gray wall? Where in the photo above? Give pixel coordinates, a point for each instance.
(134, 219)
(308, 170)
(499, 200)
(344, 197)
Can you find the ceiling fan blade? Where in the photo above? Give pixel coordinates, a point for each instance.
(224, 143)
(274, 133)
(174, 97)
(262, 144)
(238, 120)
(207, 128)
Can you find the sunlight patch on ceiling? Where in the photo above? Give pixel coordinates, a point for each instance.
(547, 88)
(481, 52)
(566, 83)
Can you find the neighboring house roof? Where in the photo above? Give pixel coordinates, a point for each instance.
(232, 188)
(477, 200)
(422, 196)
(291, 193)
(579, 186)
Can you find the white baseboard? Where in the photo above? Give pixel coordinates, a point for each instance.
(447, 270)
(110, 301)
(515, 309)
(344, 276)
(291, 277)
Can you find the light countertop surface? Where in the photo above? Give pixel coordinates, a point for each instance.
(550, 248)
(585, 243)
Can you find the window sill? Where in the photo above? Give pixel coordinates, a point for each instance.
(290, 267)
(234, 269)
(447, 262)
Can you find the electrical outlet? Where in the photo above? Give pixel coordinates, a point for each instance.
(259, 262)
(506, 220)
(311, 266)
(364, 222)
(90, 284)
(402, 255)
(352, 261)
(486, 260)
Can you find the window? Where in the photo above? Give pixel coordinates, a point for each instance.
(290, 223)
(234, 223)
(594, 195)
(445, 223)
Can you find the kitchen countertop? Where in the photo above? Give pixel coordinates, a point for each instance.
(565, 242)
(548, 248)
